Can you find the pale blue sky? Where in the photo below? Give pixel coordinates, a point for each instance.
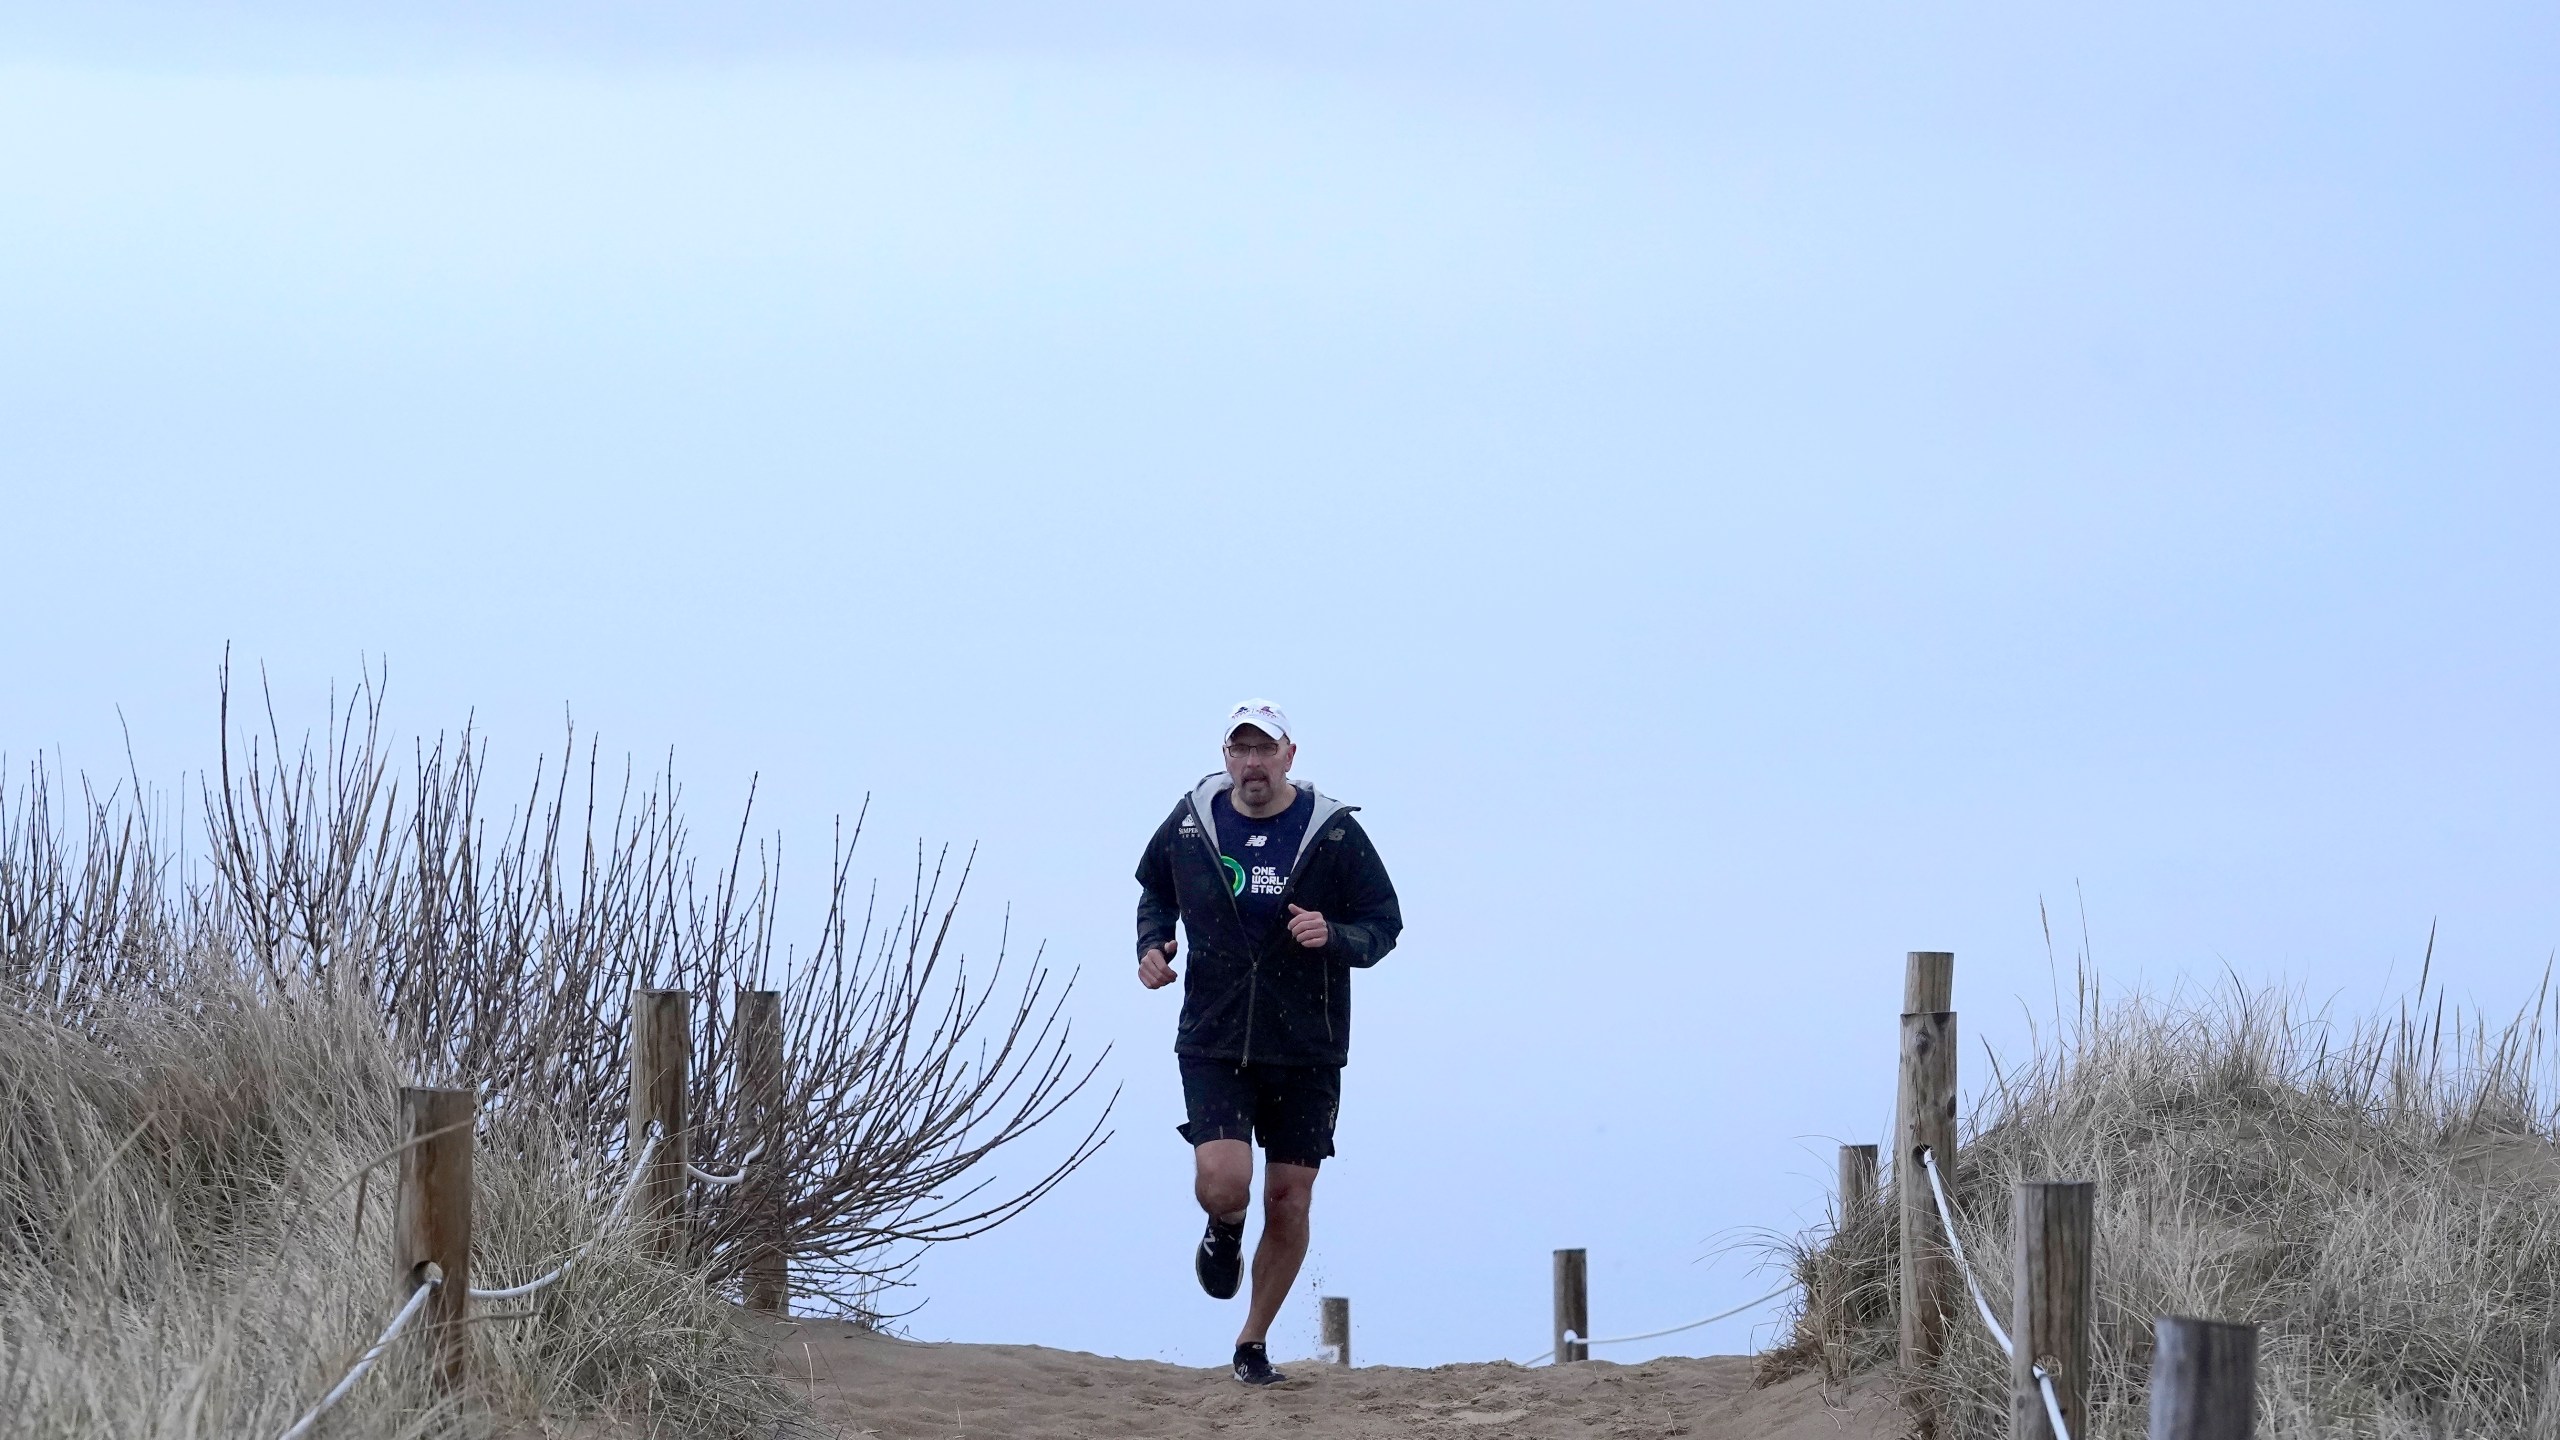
(1736, 495)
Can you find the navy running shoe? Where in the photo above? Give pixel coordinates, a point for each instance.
(1253, 1366)
(1220, 1262)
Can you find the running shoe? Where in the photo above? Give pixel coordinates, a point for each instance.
(1253, 1366)
(1220, 1263)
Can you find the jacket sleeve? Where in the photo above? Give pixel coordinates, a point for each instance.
(1368, 920)
(1158, 906)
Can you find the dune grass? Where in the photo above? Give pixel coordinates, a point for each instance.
(199, 1244)
(2382, 1197)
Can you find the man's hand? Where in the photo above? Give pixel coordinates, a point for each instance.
(1155, 965)
(1308, 928)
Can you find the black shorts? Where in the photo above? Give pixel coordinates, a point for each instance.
(1290, 1108)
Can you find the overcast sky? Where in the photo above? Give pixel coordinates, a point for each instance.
(1734, 495)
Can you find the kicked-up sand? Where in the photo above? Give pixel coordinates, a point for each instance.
(866, 1384)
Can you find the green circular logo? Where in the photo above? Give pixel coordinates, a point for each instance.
(1235, 874)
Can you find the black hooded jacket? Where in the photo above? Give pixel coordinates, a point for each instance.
(1265, 998)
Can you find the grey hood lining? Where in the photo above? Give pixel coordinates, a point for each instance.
(1206, 792)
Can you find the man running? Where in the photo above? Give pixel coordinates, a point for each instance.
(1281, 895)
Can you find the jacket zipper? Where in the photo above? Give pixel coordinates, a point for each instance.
(1253, 967)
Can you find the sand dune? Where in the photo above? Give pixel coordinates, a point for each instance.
(865, 1384)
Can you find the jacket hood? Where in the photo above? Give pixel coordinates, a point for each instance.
(1217, 780)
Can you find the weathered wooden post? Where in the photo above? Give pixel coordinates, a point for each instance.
(1928, 982)
(661, 1057)
(2204, 1379)
(1857, 1182)
(431, 1224)
(766, 1277)
(1857, 1204)
(1337, 1327)
(1573, 1305)
(2055, 1223)
(1925, 1121)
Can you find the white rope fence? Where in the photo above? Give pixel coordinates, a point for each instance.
(1572, 1339)
(418, 1297)
(1964, 1267)
(707, 1178)
(390, 1332)
(612, 1218)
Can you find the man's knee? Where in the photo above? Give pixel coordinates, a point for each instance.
(1288, 1191)
(1287, 1207)
(1224, 1178)
(1222, 1196)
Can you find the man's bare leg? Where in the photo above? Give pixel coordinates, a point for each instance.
(1287, 1190)
(1222, 1178)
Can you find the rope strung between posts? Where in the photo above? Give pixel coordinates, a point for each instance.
(390, 1332)
(418, 1297)
(612, 1218)
(434, 1277)
(707, 1178)
(1964, 1267)
(1572, 1339)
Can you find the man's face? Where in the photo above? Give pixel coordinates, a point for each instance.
(1257, 763)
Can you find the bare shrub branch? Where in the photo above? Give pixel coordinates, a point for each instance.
(502, 952)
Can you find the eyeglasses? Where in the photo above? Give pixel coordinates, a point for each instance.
(1253, 752)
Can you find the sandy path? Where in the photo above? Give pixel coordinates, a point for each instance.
(868, 1385)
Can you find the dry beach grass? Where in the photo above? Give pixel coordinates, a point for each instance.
(2383, 1198)
(196, 1250)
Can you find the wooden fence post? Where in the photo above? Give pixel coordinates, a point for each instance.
(1928, 982)
(431, 1222)
(1573, 1305)
(1857, 1182)
(1925, 1119)
(1857, 1205)
(661, 1059)
(767, 1274)
(1337, 1327)
(2204, 1379)
(2054, 1225)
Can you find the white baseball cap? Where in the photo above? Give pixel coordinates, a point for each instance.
(1261, 714)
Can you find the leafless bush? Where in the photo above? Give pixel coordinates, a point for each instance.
(503, 956)
(2382, 1197)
